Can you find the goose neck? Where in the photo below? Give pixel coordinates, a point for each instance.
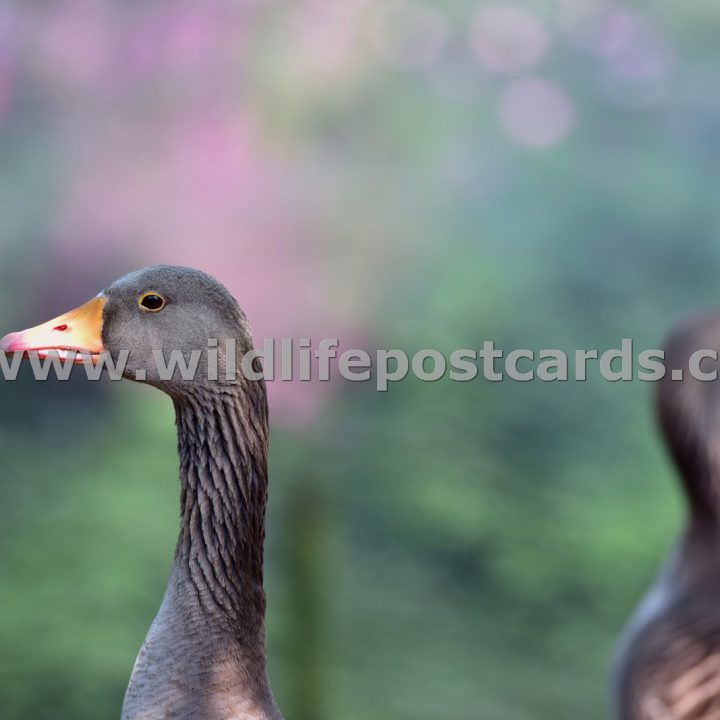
(222, 444)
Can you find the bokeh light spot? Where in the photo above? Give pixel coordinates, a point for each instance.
(506, 39)
(327, 39)
(635, 60)
(536, 111)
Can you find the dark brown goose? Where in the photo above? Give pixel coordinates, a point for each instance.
(204, 655)
(668, 665)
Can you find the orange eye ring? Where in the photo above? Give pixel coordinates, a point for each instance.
(152, 302)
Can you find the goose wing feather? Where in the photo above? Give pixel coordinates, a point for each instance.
(675, 670)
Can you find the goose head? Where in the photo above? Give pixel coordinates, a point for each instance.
(152, 323)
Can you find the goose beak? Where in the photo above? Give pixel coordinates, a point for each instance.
(78, 333)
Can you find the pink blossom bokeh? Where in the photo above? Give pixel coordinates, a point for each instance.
(164, 160)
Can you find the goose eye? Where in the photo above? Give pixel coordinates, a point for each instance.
(152, 302)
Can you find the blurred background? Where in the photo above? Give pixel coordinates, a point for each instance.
(392, 173)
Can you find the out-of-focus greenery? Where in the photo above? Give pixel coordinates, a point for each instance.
(443, 550)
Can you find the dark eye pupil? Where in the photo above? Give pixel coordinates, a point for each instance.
(152, 302)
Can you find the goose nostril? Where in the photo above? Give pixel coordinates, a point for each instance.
(61, 328)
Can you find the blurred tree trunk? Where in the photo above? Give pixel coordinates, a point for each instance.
(308, 539)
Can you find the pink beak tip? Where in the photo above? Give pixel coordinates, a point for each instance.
(11, 343)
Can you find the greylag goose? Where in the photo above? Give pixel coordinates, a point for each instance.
(668, 662)
(204, 655)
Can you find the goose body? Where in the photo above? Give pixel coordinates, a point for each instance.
(204, 655)
(668, 659)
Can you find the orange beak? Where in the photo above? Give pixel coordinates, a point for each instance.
(78, 332)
